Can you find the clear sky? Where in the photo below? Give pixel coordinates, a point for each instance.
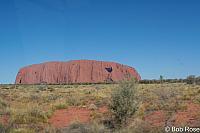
(157, 37)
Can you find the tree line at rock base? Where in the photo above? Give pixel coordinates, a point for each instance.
(192, 79)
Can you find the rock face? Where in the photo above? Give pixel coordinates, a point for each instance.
(77, 71)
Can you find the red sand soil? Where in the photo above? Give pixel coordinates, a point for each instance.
(103, 109)
(64, 117)
(156, 118)
(4, 119)
(191, 117)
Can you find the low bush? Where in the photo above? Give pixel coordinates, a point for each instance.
(123, 101)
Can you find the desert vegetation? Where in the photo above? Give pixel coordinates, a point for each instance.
(123, 102)
(127, 107)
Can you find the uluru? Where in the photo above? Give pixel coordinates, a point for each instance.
(75, 71)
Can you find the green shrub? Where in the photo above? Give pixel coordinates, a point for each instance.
(61, 106)
(123, 101)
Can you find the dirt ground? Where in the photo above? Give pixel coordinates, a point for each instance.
(190, 116)
(64, 117)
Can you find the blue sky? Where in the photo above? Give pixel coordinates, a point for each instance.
(157, 37)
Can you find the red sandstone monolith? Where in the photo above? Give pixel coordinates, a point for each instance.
(77, 71)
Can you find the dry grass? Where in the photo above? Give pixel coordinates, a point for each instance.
(30, 106)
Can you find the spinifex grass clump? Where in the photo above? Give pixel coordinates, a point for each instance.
(123, 101)
(2, 103)
(31, 115)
